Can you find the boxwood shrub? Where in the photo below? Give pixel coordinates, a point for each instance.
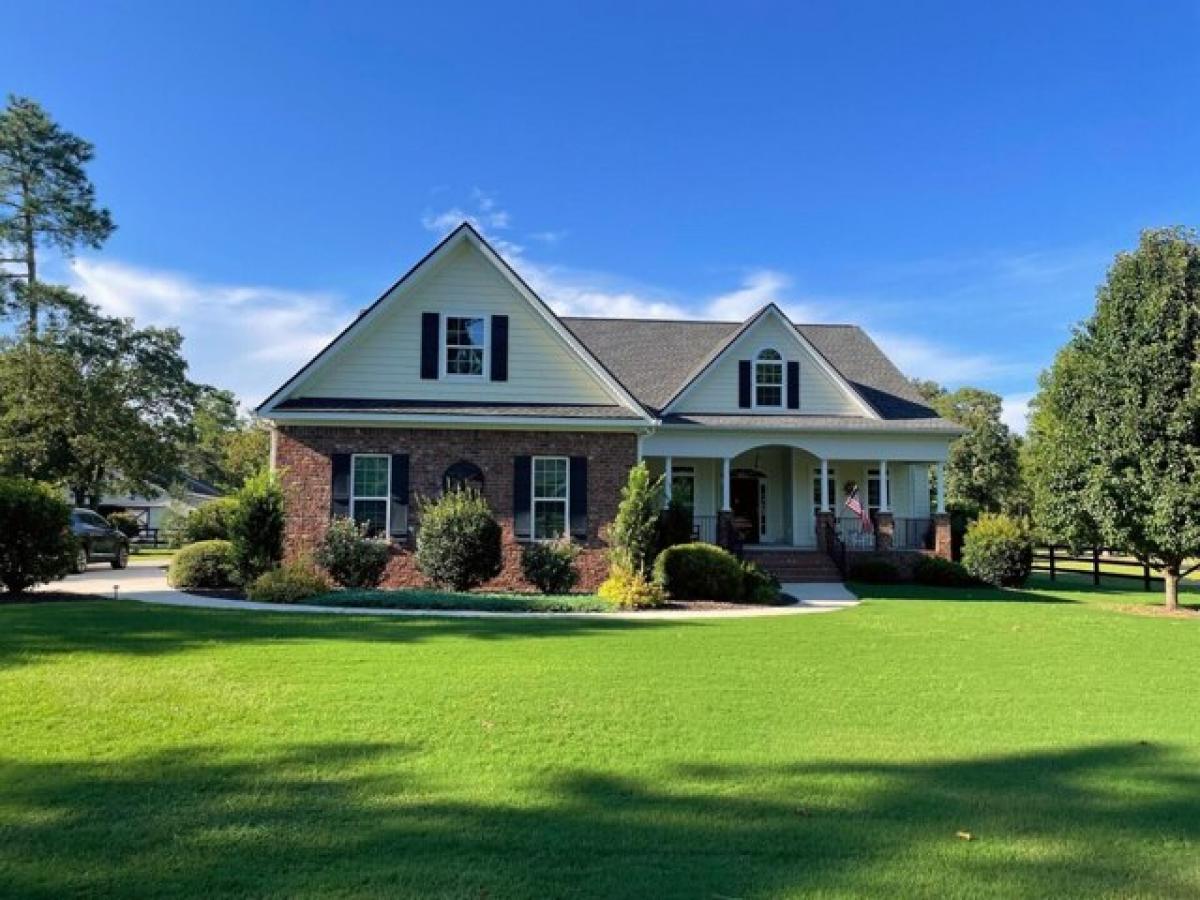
(350, 556)
(875, 571)
(998, 550)
(210, 522)
(290, 583)
(938, 572)
(458, 540)
(699, 571)
(204, 564)
(550, 566)
(759, 586)
(35, 534)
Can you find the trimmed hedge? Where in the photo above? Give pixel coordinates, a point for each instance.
(937, 572)
(204, 564)
(290, 583)
(550, 566)
(875, 571)
(352, 559)
(35, 534)
(458, 541)
(211, 522)
(699, 571)
(998, 550)
(759, 586)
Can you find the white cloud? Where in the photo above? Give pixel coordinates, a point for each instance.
(919, 357)
(1014, 411)
(246, 338)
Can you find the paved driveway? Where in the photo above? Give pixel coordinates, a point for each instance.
(142, 577)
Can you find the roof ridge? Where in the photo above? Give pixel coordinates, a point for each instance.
(653, 320)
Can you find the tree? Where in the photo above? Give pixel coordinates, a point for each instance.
(983, 472)
(46, 201)
(634, 532)
(108, 403)
(223, 447)
(1117, 428)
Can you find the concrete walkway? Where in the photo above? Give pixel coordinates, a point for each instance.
(146, 582)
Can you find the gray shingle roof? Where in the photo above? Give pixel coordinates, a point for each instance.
(655, 358)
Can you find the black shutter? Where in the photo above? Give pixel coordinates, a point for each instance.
(522, 493)
(579, 497)
(430, 326)
(339, 504)
(793, 385)
(399, 495)
(744, 383)
(499, 348)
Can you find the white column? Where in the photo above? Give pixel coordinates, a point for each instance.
(824, 485)
(667, 481)
(884, 488)
(941, 487)
(725, 507)
(795, 492)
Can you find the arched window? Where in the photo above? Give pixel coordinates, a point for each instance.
(462, 476)
(768, 379)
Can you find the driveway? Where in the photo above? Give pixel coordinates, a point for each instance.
(142, 578)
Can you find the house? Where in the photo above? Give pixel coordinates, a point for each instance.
(152, 507)
(461, 375)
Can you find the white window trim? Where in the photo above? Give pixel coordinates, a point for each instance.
(872, 475)
(534, 499)
(387, 500)
(443, 357)
(782, 364)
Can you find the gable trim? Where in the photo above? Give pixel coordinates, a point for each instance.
(822, 363)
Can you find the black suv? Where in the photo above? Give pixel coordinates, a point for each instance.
(97, 540)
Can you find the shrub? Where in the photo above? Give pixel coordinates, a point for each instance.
(35, 534)
(204, 564)
(172, 524)
(256, 526)
(211, 522)
(938, 572)
(674, 526)
(290, 583)
(699, 572)
(630, 590)
(758, 585)
(350, 556)
(875, 571)
(125, 522)
(458, 541)
(550, 566)
(634, 532)
(998, 550)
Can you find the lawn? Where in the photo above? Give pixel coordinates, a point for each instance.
(422, 598)
(171, 752)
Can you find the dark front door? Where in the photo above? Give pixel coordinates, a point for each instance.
(743, 498)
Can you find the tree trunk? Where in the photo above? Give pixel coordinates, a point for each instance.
(31, 276)
(1171, 586)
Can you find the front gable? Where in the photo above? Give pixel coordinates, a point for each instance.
(720, 386)
(399, 349)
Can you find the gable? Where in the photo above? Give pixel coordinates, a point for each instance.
(822, 392)
(380, 356)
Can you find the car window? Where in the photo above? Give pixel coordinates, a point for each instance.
(95, 519)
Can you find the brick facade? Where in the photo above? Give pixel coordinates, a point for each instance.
(304, 453)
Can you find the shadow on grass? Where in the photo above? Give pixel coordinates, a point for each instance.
(356, 819)
(30, 631)
(979, 594)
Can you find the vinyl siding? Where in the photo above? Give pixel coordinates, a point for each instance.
(384, 362)
(717, 389)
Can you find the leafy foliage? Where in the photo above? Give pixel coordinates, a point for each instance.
(624, 589)
(758, 585)
(699, 572)
(998, 550)
(221, 446)
(1117, 421)
(875, 571)
(126, 523)
(938, 572)
(291, 583)
(458, 541)
(550, 565)
(675, 526)
(256, 526)
(633, 535)
(351, 557)
(35, 537)
(211, 522)
(205, 564)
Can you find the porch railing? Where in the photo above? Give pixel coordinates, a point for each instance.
(913, 534)
(854, 535)
(704, 528)
(836, 548)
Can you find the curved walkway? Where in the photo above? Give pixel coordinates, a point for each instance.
(146, 582)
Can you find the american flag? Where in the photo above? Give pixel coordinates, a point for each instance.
(855, 506)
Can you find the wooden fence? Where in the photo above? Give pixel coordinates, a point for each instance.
(1057, 559)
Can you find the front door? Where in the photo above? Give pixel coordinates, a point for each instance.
(743, 499)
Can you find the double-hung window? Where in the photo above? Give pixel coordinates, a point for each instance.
(550, 497)
(768, 379)
(465, 349)
(370, 491)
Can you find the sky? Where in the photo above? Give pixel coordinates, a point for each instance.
(956, 178)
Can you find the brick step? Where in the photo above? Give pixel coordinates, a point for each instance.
(804, 566)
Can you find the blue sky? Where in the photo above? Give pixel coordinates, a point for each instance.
(955, 177)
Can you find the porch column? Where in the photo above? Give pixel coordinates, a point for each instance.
(941, 488)
(725, 503)
(884, 487)
(667, 482)
(824, 485)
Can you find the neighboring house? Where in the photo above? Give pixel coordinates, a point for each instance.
(461, 374)
(152, 506)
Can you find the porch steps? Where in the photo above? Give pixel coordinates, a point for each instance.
(791, 566)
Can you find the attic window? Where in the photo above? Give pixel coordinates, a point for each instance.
(465, 345)
(768, 379)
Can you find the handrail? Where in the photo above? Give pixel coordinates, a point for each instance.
(835, 547)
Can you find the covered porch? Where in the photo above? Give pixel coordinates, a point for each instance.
(782, 495)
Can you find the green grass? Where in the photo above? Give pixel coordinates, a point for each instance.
(157, 751)
(449, 600)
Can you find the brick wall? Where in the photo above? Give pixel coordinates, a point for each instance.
(304, 453)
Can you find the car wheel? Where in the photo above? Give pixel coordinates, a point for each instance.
(81, 561)
(121, 560)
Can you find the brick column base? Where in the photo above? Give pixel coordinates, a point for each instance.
(727, 535)
(941, 536)
(885, 531)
